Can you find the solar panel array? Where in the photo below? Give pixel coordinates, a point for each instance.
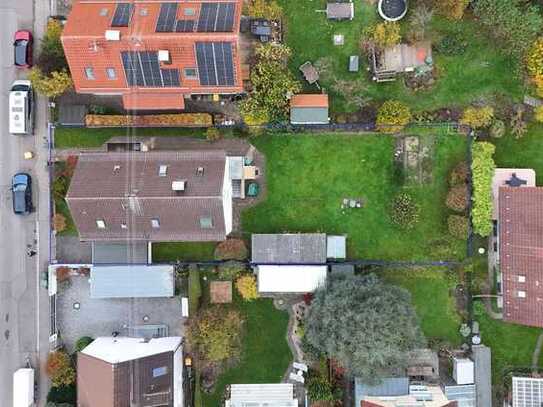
(122, 15)
(215, 63)
(216, 17)
(167, 17)
(184, 26)
(142, 68)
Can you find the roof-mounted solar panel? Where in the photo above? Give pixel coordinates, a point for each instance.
(122, 15)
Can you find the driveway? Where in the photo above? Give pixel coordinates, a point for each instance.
(102, 317)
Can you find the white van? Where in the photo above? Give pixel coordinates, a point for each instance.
(21, 108)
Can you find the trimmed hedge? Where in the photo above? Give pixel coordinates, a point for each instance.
(154, 120)
(482, 167)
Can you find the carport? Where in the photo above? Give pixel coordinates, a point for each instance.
(132, 281)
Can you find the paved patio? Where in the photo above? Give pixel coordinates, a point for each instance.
(70, 250)
(101, 317)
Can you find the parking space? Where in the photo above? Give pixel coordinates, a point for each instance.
(79, 315)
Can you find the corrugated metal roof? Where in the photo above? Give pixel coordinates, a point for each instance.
(296, 248)
(527, 392)
(463, 395)
(291, 279)
(132, 281)
(260, 395)
(389, 387)
(309, 115)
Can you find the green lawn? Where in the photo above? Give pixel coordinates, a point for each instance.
(431, 296)
(480, 72)
(62, 207)
(70, 137)
(184, 251)
(512, 345)
(525, 152)
(309, 176)
(265, 354)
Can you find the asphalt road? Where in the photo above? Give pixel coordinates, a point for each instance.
(24, 312)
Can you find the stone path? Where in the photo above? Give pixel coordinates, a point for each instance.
(537, 352)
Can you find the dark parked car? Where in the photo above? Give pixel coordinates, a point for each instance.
(23, 48)
(21, 187)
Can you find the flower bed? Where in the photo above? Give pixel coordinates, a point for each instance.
(154, 120)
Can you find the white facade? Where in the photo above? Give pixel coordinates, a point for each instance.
(262, 395)
(463, 371)
(290, 279)
(227, 199)
(122, 349)
(178, 377)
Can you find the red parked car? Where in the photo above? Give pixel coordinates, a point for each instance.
(23, 49)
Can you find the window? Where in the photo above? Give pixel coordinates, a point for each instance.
(162, 170)
(521, 294)
(103, 12)
(100, 223)
(191, 73)
(155, 223)
(189, 12)
(89, 73)
(206, 222)
(143, 12)
(124, 226)
(160, 371)
(521, 279)
(111, 73)
(200, 171)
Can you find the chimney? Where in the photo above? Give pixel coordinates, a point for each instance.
(178, 186)
(113, 35)
(164, 56)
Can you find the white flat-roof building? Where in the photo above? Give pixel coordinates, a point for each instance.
(290, 279)
(262, 395)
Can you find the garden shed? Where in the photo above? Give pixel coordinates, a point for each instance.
(309, 109)
(290, 279)
(132, 281)
(340, 11)
(336, 247)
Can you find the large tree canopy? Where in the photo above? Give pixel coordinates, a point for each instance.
(365, 325)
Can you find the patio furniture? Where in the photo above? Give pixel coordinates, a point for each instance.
(309, 72)
(299, 366)
(296, 378)
(262, 29)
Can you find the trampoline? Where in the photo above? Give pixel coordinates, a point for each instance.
(392, 10)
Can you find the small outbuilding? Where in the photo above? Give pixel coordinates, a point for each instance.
(309, 109)
(336, 247)
(340, 11)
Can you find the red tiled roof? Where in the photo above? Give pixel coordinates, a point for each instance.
(153, 101)
(309, 100)
(85, 46)
(369, 404)
(521, 254)
(126, 192)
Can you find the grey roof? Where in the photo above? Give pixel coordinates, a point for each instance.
(483, 377)
(132, 281)
(344, 269)
(300, 248)
(464, 395)
(336, 247)
(119, 253)
(309, 115)
(389, 387)
(340, 10)
(126, 191)
(353, 63)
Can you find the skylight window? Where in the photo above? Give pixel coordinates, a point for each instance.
(100, 224)
(155, 223)
(162, 170)
(206, 222)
